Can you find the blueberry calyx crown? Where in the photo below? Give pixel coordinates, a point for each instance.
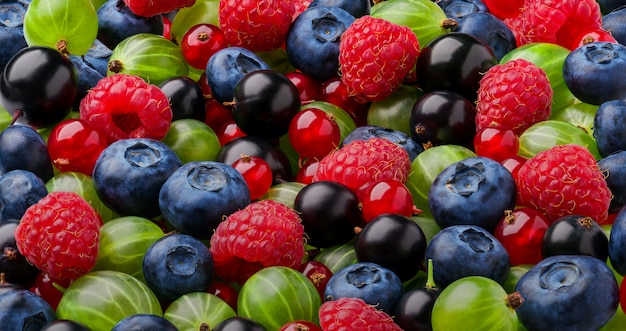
(245, 64)
(12, 15)
(466, 179)
(181, 261)
(142, 155)
(559, 275)
(476, 240)
(327, 28)
(603, 53)
(363, 276)
(207, 178)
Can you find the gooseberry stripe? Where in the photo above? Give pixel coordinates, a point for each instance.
(187, 310)
(338, 257)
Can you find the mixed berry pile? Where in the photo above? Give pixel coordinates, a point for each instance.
(312, 165)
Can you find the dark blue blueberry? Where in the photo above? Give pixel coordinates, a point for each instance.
(19, 189)
(24, 310)
(98, 56)
(88, 77)
(21, 147)
(177, 264)
(11, 30)
(460, 192)
(65, 325)
(117, 22)
(227, 67)
(615, 22)
(368, 281)
(144, 322)
(567, 292)
(312, 42)
(197, 196)
(614, 168)
(370, 131)
(467, 250)
(129, 173)
(459, 9)
(608, 128)
(617, 243)
(491, 30)
(592, 72)
(13, 265)
(356, 8)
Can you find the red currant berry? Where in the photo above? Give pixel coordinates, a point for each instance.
(334, 91)
(300, 326)
(307, 171)
(167, 27)
(387, 196)
(513, 164)
(74, 145)
(496, 143)
(50, 289)
(216, 114)
(256, 172)
(318, 273)
(225, 292)
(593, 36)
(229, 131)
(313, 133)
(200, 42)
(521, 233)
(309, 88)
(504, 9)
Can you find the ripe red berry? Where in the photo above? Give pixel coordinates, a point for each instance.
(521, 232)
(229, 131)
(313, 133)
(224, 291)
(354, 314)
(50, 289)
(496, 143)
(564, 180)
(386, 196)
(307, 171)
(200, 42)
(318, 273)
(265, 233)
(125, 106)
(368, 75)
(309, 88)
(60, 235)
(74, 145)
(335, 92)
(149, 8)
(256, 172)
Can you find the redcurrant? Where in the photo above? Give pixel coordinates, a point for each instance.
(200, 42)
(216, 114)
(74, 145)
(50, 289)
(229, 131)
(521, 232)
(335, 91)
(318, 273)
(309, 88)
(313, 133)
(307, 171)
(496, 143)
(225, 292)
(300, 326)
(256, 172)
(386, 196)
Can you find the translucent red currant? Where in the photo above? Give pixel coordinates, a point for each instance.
(256, 172)
(50, 289)
(496, 143)
(335, 91)
(225, 292)
(521, 232)
(314, 133)
(200, 42)
(307, 171)
(74, 145)
(387, 196)
(318, 273)
(229, 131)
(309, 88)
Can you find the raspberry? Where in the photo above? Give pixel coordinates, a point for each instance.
(362, 162)
(125, 106)
(375, 56)
(265, 233)
(513, 95)
(559, 21)
(256, 25)
(564, 180)
(348, 314)
(149, 8)
(60, 235)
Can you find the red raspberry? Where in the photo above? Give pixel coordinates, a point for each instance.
(564, 180)
(265, 233)
(362, 162)
(260, 25)
(375, 56)
(348, 314)
(125, 106)
(513, 95)
(60, 235)
(559, 21)
(149, 8)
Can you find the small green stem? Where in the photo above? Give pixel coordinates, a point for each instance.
(59, 287)
(430, 281)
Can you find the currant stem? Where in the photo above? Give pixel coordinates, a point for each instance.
(430, 281)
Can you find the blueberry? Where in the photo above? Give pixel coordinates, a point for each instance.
(592, 72)
(98, 56)
(459, 9)
(24, 310)
(312, 42)
(88, 77)
(226, 68)
(466, 250)
(491, 30)
(177, 264)
(19, 189)
(21, 147)
(615, 22)
(117, 22)
(459, 193)
(368, 281)
(617, 243)
(614, 168)
(567, 292)
(11, 29)
(608, 129)
(370, 131)
(356, 8)
(129, 173)
(140, 322)
(197, 196)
